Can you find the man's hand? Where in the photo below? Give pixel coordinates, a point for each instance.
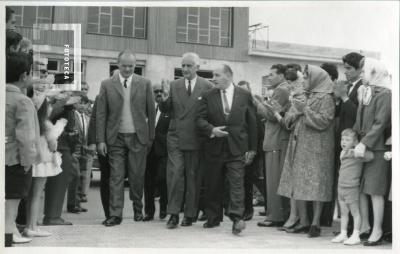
(102, 148)
(73, 100)
(249, 157)
(359, 150)
(165, 89)
(387, 156)
(219, 132)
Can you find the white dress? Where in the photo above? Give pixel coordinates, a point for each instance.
(49, 162)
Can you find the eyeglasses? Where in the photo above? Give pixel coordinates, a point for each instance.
(157, 91)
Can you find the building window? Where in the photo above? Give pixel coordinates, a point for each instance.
(138, 69)
(211, 26)
(202, 73)
(56, 67)
(117, 21)
(29, 15)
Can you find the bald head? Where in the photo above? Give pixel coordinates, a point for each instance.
(223, 76)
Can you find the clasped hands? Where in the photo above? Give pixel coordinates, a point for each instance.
(271, 104)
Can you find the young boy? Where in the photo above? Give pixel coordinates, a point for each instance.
(348, 187)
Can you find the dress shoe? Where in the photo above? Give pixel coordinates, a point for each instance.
(248, 216)
(112, 221)
(148, 217)
(262, 213)
(387, 237)
(82, 209)
(238, 226)
(203, 217)
(173, 221)
(267, 223)
(163, 215)
(83, 199)
(374, 243)
(36, 233)
(73, 209)
(298, 229)
(19, 239)
(104, 221)
(209, 224)
(186, 222)
(283, 228)
(365, 235)
(138, 216)
(56, 222)
(314, 231)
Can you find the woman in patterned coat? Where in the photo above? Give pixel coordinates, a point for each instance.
(308, 169)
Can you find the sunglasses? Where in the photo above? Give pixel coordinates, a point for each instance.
(157, 91)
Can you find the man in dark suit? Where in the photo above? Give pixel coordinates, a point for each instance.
(180, 101)
(226, 116)
(125, 117)
(155, 177)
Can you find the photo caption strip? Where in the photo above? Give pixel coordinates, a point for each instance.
(69, 51)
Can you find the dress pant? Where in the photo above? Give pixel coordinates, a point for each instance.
(56, 186)
(104, 183)
(219, 168)
(79, 162)
(86, 173)
(182, 177)
(251, 178)
(155, 178)
(127, 153)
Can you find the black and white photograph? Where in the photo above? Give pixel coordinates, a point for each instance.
(200, 125)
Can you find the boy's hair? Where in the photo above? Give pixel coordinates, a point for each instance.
(350, 133)
(16, 64)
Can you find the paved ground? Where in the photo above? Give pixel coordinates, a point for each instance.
(87, 231)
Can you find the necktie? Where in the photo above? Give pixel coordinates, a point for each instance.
(227, 110)
(83, 126)
(189, 89)
(125, 83)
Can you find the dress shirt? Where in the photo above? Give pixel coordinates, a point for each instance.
(192, 83)
(229, 95)
(158, 113)
(128, 83)
(352, 85)
(126, 124)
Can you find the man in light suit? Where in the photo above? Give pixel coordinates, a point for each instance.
(226, 117)
(180, 102)
(125, 118)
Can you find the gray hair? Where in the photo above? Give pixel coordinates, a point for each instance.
(195, 57)
(126, 52)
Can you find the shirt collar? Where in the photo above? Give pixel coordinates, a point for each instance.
(230, 88)
(122, 79)
(192, 82)
(355, 82)
(13, 88)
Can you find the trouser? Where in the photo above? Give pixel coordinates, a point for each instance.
(233, 169)
(155, 178)
(86, 172)
(73, 199)
(104, 183)
(56, 186)
(127, 153)
(251, 178)
(182, 178)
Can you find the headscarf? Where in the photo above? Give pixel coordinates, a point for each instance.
(376, 73)
(319, 80)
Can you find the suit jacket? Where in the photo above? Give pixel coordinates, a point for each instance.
(241, 123)
(91, 136)
(22, 128)
(347, 111)
(182, 110)
(109, 108)
(373, 120)
(160, 139)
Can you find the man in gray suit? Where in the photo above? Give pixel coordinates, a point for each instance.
(125, 118)
(180, 100)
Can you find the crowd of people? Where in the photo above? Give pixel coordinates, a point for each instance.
(322, 145)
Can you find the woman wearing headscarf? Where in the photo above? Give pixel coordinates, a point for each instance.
(372, 123)
(308, 169)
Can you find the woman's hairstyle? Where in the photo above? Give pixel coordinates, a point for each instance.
(353, 59)
(350, 133)
(291, 71)
(280, 68)
(331, 69)
(17, 64)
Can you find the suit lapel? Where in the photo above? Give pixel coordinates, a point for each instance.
(198, 89)
(134, 85)
(353, 94)
(218, 103)
(118, 86)
(182, 93)
(235, 101)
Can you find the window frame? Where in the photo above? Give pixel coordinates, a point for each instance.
(52, 8)
(231, 29)
(145, 27)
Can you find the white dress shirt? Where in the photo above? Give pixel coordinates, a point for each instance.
(229, 95)
(192, 83)
(158, 113)
(353, 84)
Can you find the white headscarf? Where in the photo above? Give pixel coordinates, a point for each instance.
(376, 74)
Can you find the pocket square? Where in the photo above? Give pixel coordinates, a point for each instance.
(199, 98)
